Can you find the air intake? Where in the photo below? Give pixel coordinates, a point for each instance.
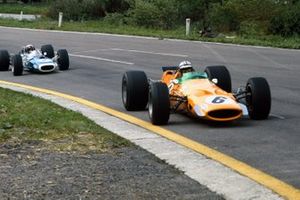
(228, 113)
(47, 67)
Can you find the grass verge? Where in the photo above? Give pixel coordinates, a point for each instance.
(109, 26)
(24, 117)
(179, 33)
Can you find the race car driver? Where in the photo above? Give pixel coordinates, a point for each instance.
(31, 51)
(183, 67)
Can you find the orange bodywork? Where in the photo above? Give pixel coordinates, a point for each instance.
(203, 98)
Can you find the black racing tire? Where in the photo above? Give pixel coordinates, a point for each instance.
(135, 90)
(222, 74)
(17, 65)
(63, 59)
(258, 98)
(4, 60)
(159, 103)
(48, 49)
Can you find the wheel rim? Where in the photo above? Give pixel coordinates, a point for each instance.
(249, 98)
(124, 92)
(150, 106)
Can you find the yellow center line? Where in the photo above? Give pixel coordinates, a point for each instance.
(278, 186)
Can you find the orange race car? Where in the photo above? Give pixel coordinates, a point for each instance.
(205, 94)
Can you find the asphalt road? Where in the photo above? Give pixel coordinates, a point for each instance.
(98, 62)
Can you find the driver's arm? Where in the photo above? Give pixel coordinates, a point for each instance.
(178, 74)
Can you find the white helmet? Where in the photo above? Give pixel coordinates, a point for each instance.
(29, 48)
(185, 66)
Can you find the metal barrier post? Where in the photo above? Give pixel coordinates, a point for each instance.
(60, 18)
(21, 16)
(187, 26)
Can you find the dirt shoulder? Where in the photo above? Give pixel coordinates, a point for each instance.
(29, 170)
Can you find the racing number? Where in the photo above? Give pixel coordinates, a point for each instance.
(170, 86)
(219, 100)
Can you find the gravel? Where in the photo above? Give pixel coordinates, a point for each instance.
(29, 170)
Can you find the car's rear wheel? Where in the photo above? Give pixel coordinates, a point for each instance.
(63, 59)
(258, 98)
(159, 103)
(4, 60)
(17, 65)
(135, 90)
(48, 50)
(222, 75)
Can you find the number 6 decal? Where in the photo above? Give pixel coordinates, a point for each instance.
(219, 100)
(170, 86)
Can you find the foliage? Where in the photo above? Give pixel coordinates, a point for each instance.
(78, 9)
(196, 10)
(155, 13)
(38, 8)
(287, 22)
(145, 14)
(224, 18)
(252, 28)
(116, 18)
(119, 6)
(254, 10)
(87, 9)
(244, 17)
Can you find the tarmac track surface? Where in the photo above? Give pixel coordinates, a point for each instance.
(99, 61)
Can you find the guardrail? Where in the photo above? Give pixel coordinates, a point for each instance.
(20, 16)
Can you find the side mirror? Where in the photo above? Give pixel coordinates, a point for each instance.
(215, 80)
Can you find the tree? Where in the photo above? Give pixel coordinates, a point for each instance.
(197, 10)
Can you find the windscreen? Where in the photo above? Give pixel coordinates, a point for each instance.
(192, 75)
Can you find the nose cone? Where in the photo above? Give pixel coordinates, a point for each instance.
(224, 114)
(218, 108)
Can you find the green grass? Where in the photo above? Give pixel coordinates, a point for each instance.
(267, 40)
(35, 8)
(179, 33)
(24, 117)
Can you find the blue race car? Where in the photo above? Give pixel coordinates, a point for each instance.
(35, 60)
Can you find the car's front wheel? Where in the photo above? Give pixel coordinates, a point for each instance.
(17, 65)
(159, 103)
(135, 89)
(4, 60)
(258, 98)
(63, 59)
